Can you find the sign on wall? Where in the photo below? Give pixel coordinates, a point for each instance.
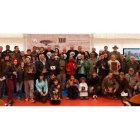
(59, 40)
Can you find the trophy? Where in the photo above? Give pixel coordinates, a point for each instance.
(83, 88)
(52, 67)
(110, 89)
(114, 66)
(55, 94)
(30, 70)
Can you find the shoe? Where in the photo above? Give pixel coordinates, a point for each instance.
(94, 96)
(67, 98)
(27, 99)
(32, 100)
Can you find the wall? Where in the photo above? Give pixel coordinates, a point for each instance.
(121, 43)
(12, 40)
(86, 40)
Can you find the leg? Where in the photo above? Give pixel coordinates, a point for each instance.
(10, 85)
(17, 89)
(20, 88)
(37, 96)
(31, 86)
(44, 99)
(1, 87)
(26, 88)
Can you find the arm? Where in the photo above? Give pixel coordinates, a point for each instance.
(37, 87)
(46, 86)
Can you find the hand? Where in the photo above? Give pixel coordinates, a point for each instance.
(115, 90)
(135, 87)
(14, 73)
(58, 86)
(41, 93)
(44, 94)
(103, 67)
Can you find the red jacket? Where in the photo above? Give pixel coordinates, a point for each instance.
(71, 67)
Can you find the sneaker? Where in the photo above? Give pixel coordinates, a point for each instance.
(94, 96)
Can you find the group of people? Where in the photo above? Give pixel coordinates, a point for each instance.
(45, 73)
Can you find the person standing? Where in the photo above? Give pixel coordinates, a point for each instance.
(29, 74)
(11, 76)
(83, 67)
(20, 79)
(115, 52)
(102, 67)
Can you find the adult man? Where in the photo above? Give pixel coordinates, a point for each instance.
(114, 65)
(29, 73)
(133, 81)
(72, 52)
(17, 52)
(7, 51)
(1, 54)
(94, 52)
(102, 67)
(106, 52)
(110, 85)
(123, 64)
(115, 52)
(41, 66)
(132, 63)
(53, 65)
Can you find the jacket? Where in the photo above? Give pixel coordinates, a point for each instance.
(29, 72)
(110, 83)
(83, 67)
(42, 85)
(71, 67)
(9, 72)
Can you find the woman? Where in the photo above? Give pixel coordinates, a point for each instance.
(42, 89)
(83, 67)
(71, 67)
(20, 80)
(11, 75)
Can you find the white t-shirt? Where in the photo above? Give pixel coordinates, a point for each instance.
(114, 66)
(83, 89)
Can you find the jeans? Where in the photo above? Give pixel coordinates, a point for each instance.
(62, 79)
(10, 86)
(1, 87)
(29, 88)
(19, 86)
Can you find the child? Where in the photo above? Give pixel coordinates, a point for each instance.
(55, 92)
(94, 85)
(72, 86)
(83, 88)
